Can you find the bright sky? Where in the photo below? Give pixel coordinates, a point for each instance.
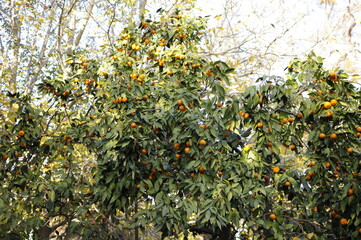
(307, 24)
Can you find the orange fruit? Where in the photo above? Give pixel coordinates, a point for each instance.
(333, 76)
(269, 144)
(349, 150)
(259, 124)
(276, 169)
(188, 143)
(6, 134)
(344, 221)
(310, 236)
(327, 105)
(220, 173)
(358, 129)
(240, 113)
(178, 156)
(322, 136)
(182, 108)
(287, 184)
(272, 216)
(329, 114)
(292, 147)
(201, 169)
(186, 150)
(333, 102)
(5, 157)
(350, 192)
(285, 120)
(133, 125)
(219, 105)
(328, 164)
(311, 164)
(137, 186)
(21, 133)
(290, 120)
(246, 115)
(256, 174)
(299, 115)
(143, 151)
(180, 102)
(176, 146)
(333, 136)
(202, 142)
(359, 230)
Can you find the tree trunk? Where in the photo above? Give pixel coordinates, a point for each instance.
(225, 233)
(43, 233)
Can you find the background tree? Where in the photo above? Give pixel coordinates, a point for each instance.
(252, 35)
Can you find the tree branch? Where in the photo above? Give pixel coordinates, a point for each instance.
(81, 32)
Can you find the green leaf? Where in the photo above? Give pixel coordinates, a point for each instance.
(207, 215)
(164, 211)
(41, 187)
(229, 196)
(52, 195)
(343, 204)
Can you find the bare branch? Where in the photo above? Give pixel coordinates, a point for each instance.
(81, 32)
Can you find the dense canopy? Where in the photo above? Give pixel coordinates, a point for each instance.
(147, 139)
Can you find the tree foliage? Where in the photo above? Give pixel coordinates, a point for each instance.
(149, 131)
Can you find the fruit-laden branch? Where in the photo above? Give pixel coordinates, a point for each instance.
(316, 225)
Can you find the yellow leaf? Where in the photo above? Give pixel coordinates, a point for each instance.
(218, 17)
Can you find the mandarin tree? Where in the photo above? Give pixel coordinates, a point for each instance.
(150, 131)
